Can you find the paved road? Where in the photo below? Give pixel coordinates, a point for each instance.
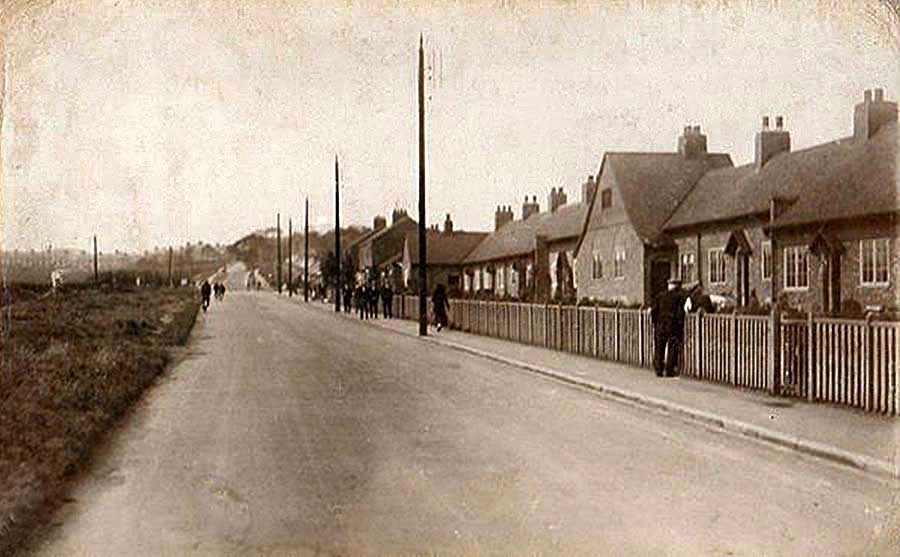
(287, 430)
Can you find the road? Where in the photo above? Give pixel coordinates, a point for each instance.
(288, 430)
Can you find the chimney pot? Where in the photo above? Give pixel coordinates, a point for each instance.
(879, 95)
(687, 130)
(867, 95)
(779, 122)
(765, 122)
(697, 130)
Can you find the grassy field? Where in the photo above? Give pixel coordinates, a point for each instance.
(70, 366)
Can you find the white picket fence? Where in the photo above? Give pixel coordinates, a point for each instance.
(840, 361)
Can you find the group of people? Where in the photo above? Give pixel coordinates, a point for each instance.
(366, 297)
(207, 290)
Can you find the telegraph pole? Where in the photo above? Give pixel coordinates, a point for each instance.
(306, 254)
(423, 288)
(278, 249)
(290, 259)
(96, 268)
(337, 236)
(170, 266)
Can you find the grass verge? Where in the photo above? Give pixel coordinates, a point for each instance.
(70, 366)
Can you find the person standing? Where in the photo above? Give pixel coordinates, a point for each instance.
(358, 300)
(348, 296)
(387, 300)
(667, 315)
(205, 293)
(439, 301)
(373, 300)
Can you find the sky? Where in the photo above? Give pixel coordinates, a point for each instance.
(159, 122)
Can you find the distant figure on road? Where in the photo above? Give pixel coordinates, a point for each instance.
(348, 296)
(667, 315)
(221, 291)
(358, 300)
(205, 293)
(387, 300)
(439, 300)
(373, 300)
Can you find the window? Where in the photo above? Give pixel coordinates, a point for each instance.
(767, 260)
(687, 267)
(717, 266)
(488, 280)
(619, 263)
(606, 199)
(796, 267)
(597, 267)
(874, 255)
(467, 282)
(476, 279)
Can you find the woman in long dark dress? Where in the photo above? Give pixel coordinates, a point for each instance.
(439, 300)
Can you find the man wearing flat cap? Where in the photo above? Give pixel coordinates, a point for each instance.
(667, 315)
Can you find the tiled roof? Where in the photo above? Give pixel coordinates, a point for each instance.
(444, 248)
(836, 180)
(517, 237)
(653, 184)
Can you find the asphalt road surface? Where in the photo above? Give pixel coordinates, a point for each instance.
(287, 430)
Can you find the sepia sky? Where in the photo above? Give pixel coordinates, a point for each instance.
(160, 122)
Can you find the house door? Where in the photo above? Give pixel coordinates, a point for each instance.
(831, 283)
(744, 278)
(659, 277)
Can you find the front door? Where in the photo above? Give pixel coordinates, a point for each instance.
(659, 277)
(831, 283)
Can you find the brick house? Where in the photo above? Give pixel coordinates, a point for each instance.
(817, 227)
(445, 251)
(622, 253)
(531, 258)
(381, 253)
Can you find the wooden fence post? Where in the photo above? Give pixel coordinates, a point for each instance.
(810, 357)
(641, 334)
(774, 353)
(733, 356)
(868, 369)
(698, 345)
(616, 336)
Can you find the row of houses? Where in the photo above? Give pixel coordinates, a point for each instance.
(815, 228)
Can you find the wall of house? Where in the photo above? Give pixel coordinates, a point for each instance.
(716, 236)
(630, 287)
(512, 284)
(849, 235)
(608, 229)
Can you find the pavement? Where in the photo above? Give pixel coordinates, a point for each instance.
(285, 429)
(865, 441)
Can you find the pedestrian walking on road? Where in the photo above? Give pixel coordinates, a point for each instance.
(667, 315)
(373, 300)
(348, 296)
(358, 300)
(205, 293)
(439, 301)
(387, 300)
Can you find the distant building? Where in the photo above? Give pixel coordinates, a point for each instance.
(816, 228)
(623, 254)
(445, 251)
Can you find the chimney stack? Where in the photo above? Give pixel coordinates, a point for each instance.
(397, 215)
(692, 143)
(870, 115)
(379, 223)
(587, 189)
(531, 208)
(557, 199)
(770, 142)
(448, 225)
(502, 215)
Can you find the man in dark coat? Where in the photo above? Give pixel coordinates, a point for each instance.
(387, 300)
(205, 293)
(373, 300)
(667, 315)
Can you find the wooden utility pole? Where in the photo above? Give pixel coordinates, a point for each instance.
(290, 258)
(96, 268)
(306, 254)
(278, 250)
(170, 267)
(337, 237)
(423, 288)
